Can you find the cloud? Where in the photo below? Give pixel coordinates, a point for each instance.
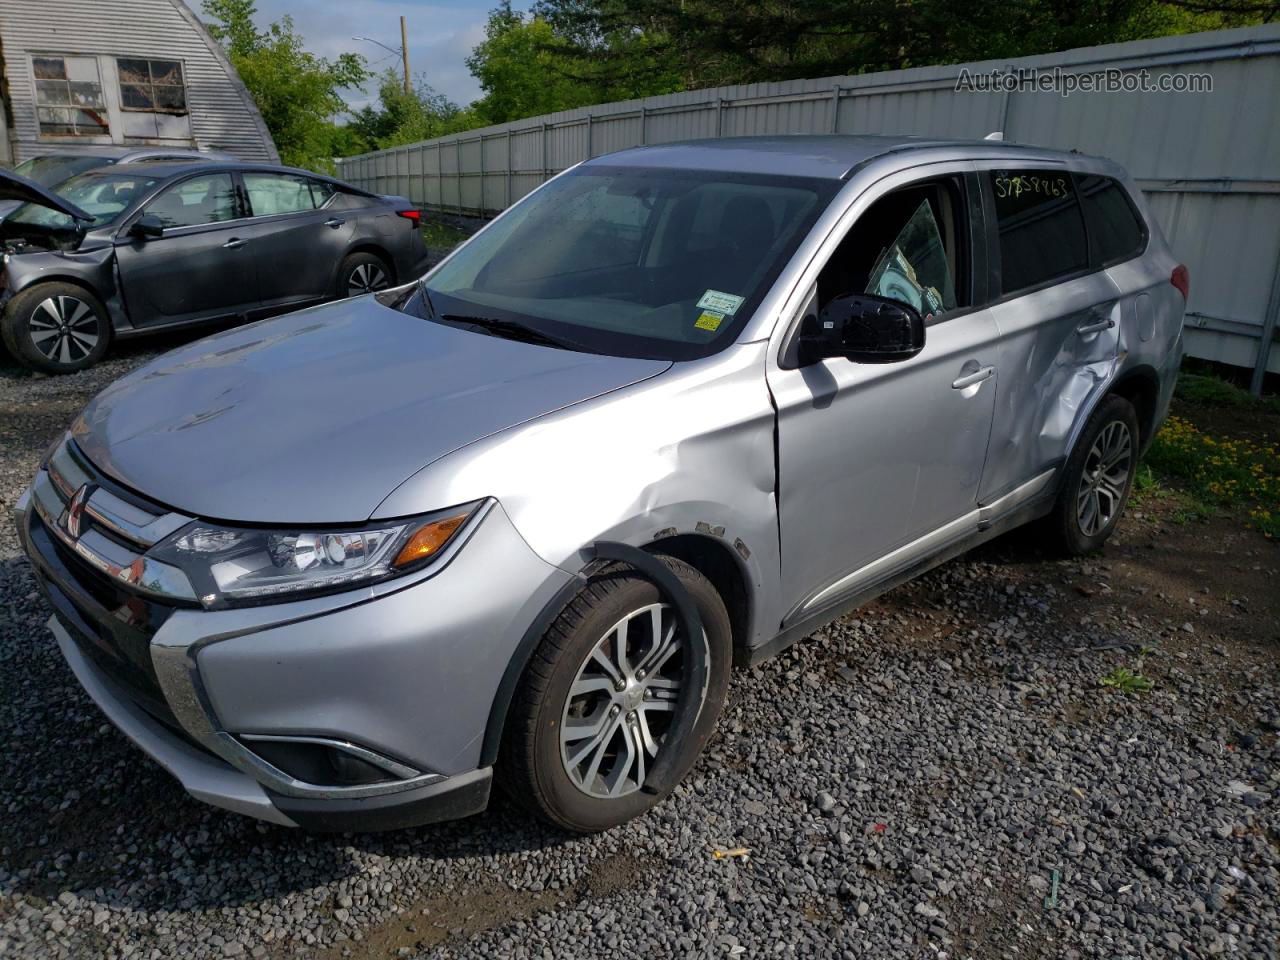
(441, 37)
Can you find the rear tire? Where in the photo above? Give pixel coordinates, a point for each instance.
(362, 273)
(56, 327)
(539, 763)
(1096, 479)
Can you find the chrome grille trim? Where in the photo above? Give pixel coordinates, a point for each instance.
(126, 563)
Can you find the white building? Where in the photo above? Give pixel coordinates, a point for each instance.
(126, 72)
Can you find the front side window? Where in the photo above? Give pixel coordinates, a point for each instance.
(103, 195)
(207, 199)
(1040, 226)
(151, 86)
(273, 193)
(69, 97)
(908, 246)
(633, 261)
(1115, 229)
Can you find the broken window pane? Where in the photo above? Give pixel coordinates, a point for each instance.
(154, 86)
(49, 68)
(69, 107)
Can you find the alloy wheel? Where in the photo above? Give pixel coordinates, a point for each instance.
(366, 278)
(63, 328)
(622, 702)
(1105, 478)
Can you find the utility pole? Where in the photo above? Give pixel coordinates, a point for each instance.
(404, 53)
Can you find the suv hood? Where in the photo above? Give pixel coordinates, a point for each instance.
(20, 189)
(317, 416)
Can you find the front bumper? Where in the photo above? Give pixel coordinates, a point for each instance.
(403, 674)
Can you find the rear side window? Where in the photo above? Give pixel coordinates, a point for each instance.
(1116, 232)
(274, 193)
(1040, 226)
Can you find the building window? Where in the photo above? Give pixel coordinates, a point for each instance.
(69, 97)
(152, 86)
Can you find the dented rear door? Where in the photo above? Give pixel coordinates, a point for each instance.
(1058, 337)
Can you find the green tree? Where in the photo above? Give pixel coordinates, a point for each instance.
(523, 70)
(406, 117)
(297, 93)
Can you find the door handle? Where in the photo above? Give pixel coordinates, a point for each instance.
(1087, 328)
(969, 379)
(233, 243)
(334, 222)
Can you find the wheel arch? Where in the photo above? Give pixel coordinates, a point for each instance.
(708, 555)
(379, 251)
(1141, 387)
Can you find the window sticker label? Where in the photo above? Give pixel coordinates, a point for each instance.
(709, 320)
(725, 303)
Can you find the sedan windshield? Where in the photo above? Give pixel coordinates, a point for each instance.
(102, 195)
(52, 170)
(667, 264)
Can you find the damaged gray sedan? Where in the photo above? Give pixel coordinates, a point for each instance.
(130, 248)
(672, 411)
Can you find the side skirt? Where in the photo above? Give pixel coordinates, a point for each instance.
(1024, 513)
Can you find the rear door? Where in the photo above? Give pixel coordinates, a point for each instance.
(201, 268)
(298, 241)
(1058, 319)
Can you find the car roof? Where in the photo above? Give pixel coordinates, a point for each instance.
(828, 157)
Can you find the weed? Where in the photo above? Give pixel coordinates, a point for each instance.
(1220, 473)
(1126, 681)
(438, 235)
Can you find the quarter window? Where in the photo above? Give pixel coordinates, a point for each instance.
(151, 86)
(1041, 229)
(272, 193)
(1115, 230)
(69, 97)
(207, 199)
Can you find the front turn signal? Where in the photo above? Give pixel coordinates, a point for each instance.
(428, 539)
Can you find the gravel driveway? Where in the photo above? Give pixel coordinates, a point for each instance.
(940, 775)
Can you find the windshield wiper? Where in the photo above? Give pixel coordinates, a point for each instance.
(512, 330)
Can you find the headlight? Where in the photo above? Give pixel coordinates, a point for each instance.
(228, 564)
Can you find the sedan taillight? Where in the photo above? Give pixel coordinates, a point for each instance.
(1181, 279)
(414, 215)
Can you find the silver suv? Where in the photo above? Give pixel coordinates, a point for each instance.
(673, 410)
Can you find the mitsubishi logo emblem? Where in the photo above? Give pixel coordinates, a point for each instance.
(75, 510)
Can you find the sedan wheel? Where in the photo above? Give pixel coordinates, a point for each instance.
(366, 278)
(63, 329)
(622, 701)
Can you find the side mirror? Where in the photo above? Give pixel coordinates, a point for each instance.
(864, 328)
(147, 227)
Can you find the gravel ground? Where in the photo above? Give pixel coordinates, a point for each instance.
(940, 775)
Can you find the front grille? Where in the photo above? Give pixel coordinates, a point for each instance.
(86, 577)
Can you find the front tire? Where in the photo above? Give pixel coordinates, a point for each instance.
(590, 714)
(56, 328)
(1096, 479)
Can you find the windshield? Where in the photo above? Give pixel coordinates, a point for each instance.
(103, 195)
(50, 171)
(666, 264)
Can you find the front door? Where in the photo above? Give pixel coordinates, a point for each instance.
(874, 459)
(201, 268)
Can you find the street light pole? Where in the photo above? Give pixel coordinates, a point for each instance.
(404, 53)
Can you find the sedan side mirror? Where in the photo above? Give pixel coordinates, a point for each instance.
(147, 227)
(863, 328)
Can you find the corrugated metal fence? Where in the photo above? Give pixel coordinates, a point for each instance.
(1209, 162)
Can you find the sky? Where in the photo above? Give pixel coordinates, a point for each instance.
(441, 36)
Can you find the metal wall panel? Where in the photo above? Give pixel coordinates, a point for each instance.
(1210, 163)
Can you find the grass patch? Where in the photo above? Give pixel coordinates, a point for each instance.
(1234, 474)
(1126, 681)
(438, 235)
(1210, 391)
